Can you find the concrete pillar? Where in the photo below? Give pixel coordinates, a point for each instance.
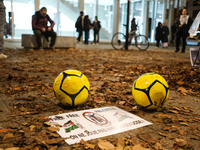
(116, 16)
(58, 16)
(153, 22)
(13, 30)
(37, 5)
(165, 10)
(97, 7)
(145, 17)
(171, 17)
(81, 5)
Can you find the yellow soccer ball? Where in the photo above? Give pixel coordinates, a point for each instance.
(150, 91)
(71, 88)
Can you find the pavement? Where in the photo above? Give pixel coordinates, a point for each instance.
(16, 44)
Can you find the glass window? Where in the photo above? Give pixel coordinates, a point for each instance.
(90, 10)
(106, 17)
(69, 12)
(21, 17)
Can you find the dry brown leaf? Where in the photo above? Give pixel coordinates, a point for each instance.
(174, 111)
(182, 90)
(87, 145)
(136, 147)
(180, 82)
(158, 146)
(32, 127)
(54, 141)
(5, 130)
(139, 147)
(120, 144)
(53, 129)
(47, 123)
(105, 145)
(181, 142)
(165, 135)
(7, 136)
(12, 148)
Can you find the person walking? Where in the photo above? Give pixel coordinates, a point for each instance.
(87, 27)
(2, 21)
(165, 35)
(183, 25)
(96, 28)
(79, 26)
(159, 31)
(39, 25)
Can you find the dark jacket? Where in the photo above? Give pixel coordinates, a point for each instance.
(39, 21)
(78, 24)
(96, 25)
(185, 28)
(159, 31)
(87, 24)
(165, 34)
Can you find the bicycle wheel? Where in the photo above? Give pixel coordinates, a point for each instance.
(118, 40)
(142, 42)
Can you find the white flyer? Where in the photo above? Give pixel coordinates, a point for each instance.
(95, 123)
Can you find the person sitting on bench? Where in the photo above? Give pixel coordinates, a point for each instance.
(39, 26)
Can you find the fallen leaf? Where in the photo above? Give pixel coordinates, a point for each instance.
(87, 145)
(5, 130)
(135, 147)
(32, 127)
(181, 142)
(54, 141)
(7, 136)
(105, 145)
(120, 144)
(180, 82)
(12, 148)
(53, 129)
(158, 146)
(182, 90)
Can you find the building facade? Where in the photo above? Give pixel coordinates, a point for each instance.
(111, 13)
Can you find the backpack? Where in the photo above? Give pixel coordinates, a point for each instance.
(36, 13)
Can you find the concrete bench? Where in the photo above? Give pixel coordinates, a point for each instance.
(29, 41)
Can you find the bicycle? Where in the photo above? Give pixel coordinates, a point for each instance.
(137, 39)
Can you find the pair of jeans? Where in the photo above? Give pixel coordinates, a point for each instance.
(86, 36)
(96, 36)
(178, 40)
(2, 21)
(80, 32)
(46, 34)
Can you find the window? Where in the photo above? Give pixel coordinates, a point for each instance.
(21, 17)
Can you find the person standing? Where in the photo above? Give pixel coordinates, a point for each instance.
(133, 25)
(183, 25)
(158, 34)
(2, 21)
(87, 27)
(79, 26)
(165, 35)
(39, 25)
(96, 27)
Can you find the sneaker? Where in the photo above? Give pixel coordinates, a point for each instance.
(97, 43)
(2, 56)
(40, 48)
(53, 48)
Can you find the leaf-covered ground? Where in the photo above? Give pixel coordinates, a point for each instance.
(27, 98)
